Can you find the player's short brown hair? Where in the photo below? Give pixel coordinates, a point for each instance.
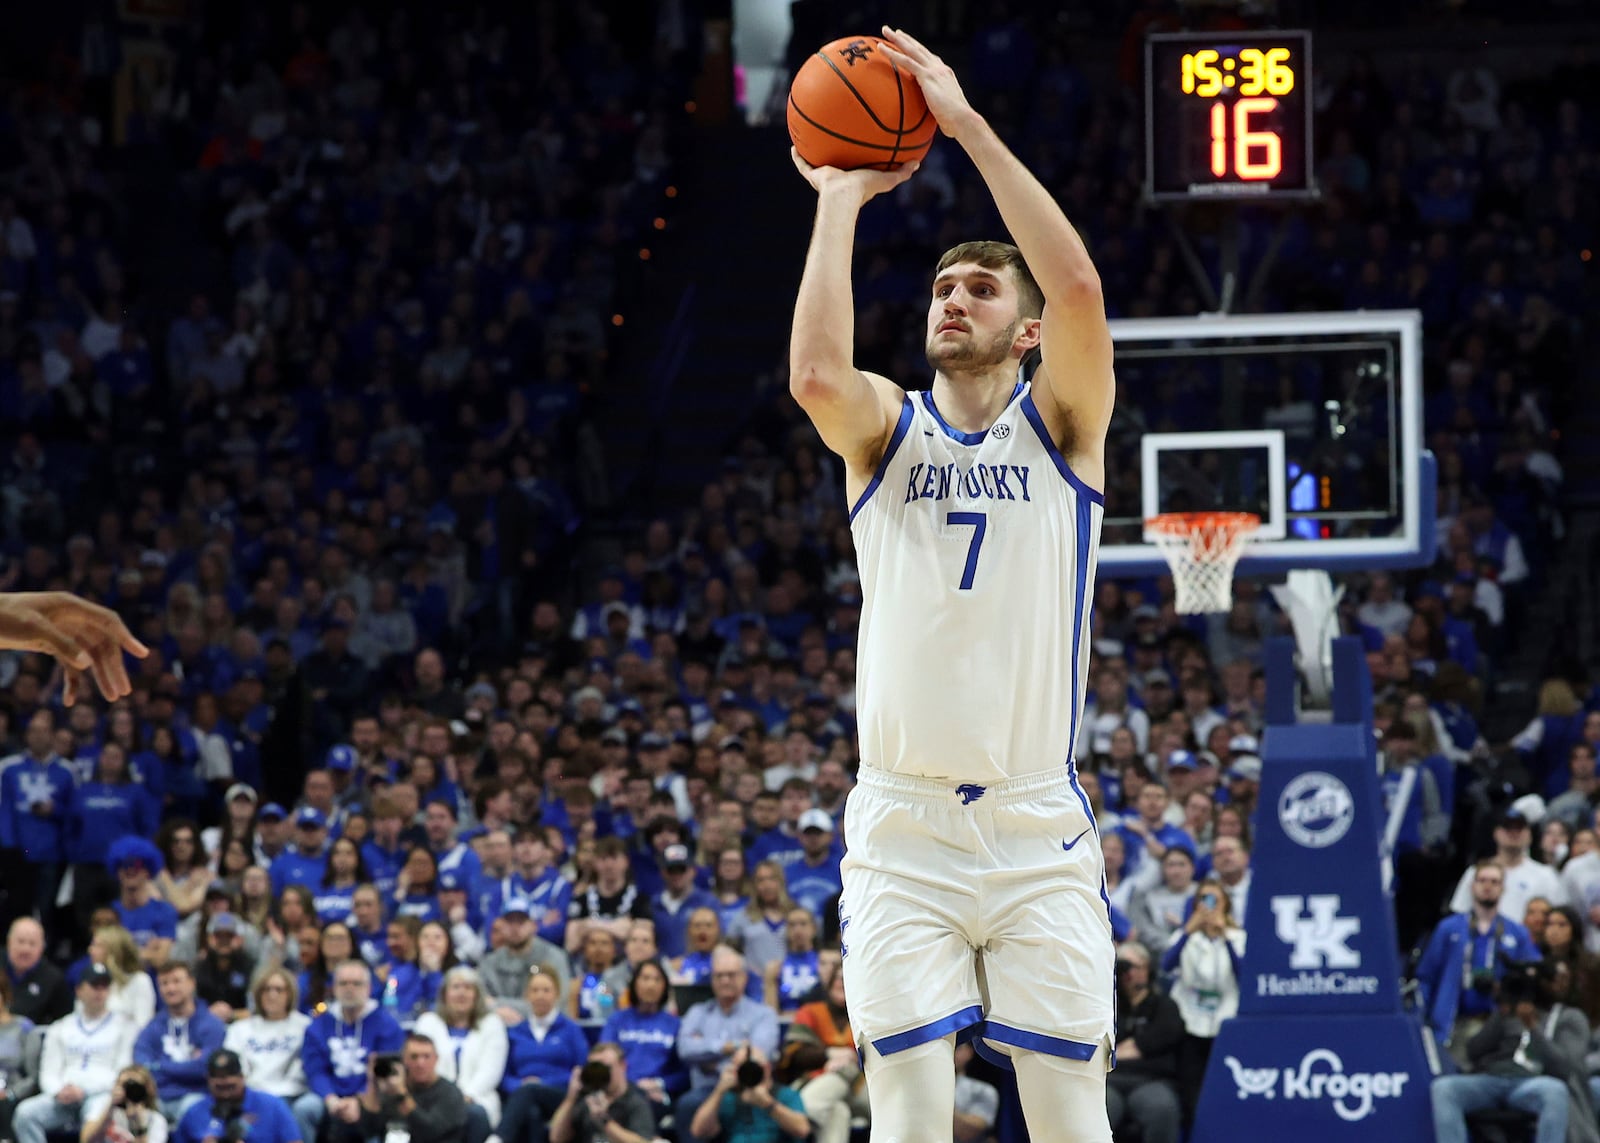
(999, 256)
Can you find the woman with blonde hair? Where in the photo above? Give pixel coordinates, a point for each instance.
(132, 994)
(472, 1045)
(1202, 955)
(271, 1038)
(762, 929)
(1545, 743)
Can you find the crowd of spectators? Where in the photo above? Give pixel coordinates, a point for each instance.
(386, 772)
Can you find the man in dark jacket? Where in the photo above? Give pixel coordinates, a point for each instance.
(411, 1095)
(1514, 1064)
(38, 990)
(1143, 1089)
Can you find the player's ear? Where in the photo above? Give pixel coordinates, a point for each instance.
(1028, 334)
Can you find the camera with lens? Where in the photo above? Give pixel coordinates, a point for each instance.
(595, 1077)
(134, 1091)
(231, 1116)
(1483, 980)
(750, 1074)
(385, 1065)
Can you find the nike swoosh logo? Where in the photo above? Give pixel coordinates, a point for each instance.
(926, 433)
(1067, 845)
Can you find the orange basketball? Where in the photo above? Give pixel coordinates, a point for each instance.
(850, 107)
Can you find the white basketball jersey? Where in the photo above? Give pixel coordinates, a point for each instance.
(977, 556)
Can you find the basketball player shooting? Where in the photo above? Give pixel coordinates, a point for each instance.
(973, 883)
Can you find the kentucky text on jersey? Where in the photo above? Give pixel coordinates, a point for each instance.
(980, 482)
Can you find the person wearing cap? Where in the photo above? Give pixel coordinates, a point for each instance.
(150, 921)
(83, 1053)
(504, 971)
(339, 1047)
(274, 834)
(340, 765)
(1524, 877)
(175, 1045)
(231, 1104)
(1465, 959)
(239, 804)
(655, 759)
(814, 876)
(307, 861)
(223, 970)
(1244, 780)
(677, 900)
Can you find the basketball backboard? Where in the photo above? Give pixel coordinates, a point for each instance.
(1311, 421)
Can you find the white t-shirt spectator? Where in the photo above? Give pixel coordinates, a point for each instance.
(271, 1051)
(1524, 881)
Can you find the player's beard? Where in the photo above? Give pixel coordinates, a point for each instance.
(969, 354)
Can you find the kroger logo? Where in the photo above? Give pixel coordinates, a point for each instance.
(1320, 1076)
(1316, 809)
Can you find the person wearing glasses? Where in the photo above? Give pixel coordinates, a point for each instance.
(270, 1041)
(714, 1030)
(84, 1052)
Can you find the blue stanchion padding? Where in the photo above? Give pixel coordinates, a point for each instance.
(1327, 1080)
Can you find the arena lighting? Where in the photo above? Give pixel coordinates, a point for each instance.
(616, 319)
(644, 254)
(660, 224)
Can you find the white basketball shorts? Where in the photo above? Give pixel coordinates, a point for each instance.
(973, 907)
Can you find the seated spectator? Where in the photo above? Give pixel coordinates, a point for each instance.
(152, 922)
(223, 971)
(713, 1029)
(1465, 958)
(832, 1088)
(175, 1045)
(761, 929)
(18, 1078)
(1159, 909)
(790, 982)
(413, 1097)
(1143, 1088)
(38, 990)
(814, 876)
(612, 903)
(592, 997)
(132, 994)
(678, 900)
(344, 873)
(84, 1053)
(473, 1046)
(184, 876)
(615, 1109)
(543, 1051)
(505, 971)
(1575, 971)
(694, 966)
(126, 1118)
(271, 1040)
(1145, 833)
(745, 1099)
(1516, 1060)
(1525, 878)
(305, 862)
(335, 1079)
(228, 1101)
(648, 1034)
(400, 976)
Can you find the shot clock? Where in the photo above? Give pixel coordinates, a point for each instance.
(1228, 115)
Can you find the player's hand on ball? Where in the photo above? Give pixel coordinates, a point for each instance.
(83, 636)
(866, 183)
(936, 78)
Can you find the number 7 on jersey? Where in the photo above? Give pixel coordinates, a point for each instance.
(979, 523)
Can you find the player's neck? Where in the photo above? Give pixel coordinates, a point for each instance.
(971, 402)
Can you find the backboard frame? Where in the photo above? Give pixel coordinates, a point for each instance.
(1413, 546)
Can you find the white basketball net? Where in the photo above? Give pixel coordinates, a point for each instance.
(1202, 549)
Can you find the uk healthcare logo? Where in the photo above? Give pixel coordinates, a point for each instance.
(1320, 1077)
(1319, 939)
(1316, 809)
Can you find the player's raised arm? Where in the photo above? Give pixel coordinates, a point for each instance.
(854, 411)
(1075, 342)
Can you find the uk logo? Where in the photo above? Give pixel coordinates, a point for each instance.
(1321, 940)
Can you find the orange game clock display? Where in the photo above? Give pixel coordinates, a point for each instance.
(1228, 115)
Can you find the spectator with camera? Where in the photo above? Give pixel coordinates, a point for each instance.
(132, 1115)
(715, 1030)
(601, 1106)
(234, 1111)
(746, 1106)
(1143, 1089)
(406, 1092)
(1204, 956)
(1465, 958)
(176, 1044)
(84, 1053)
(338, 1045)
(1525, 1055)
